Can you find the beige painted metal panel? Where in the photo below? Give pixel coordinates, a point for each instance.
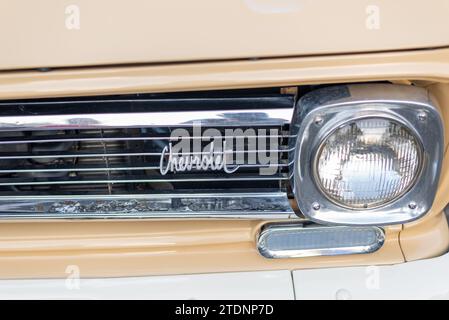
(429, 65)
(48, 33)
(131, 248)
(97, 248)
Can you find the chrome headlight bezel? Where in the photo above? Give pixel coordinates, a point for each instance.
(321, 112)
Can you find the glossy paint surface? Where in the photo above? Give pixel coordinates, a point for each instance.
(129, 248)
(45, 33)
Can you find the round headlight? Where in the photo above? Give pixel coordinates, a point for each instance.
(367, 163)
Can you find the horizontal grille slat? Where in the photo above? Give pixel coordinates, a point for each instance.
(74, 138)
(219, 118)
(145, 179)
(283, 164)
(125, 154)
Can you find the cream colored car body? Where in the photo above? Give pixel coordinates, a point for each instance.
(101, 47)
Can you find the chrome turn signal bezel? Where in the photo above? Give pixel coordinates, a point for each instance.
(290, 238)
(320, 112)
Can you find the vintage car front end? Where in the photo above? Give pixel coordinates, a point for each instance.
(249, 149)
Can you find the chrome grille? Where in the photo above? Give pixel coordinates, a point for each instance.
(108, 160)
(102, 157)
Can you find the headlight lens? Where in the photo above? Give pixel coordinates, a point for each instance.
(367, 163)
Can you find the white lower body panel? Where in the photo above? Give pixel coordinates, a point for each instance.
(426, 279)
(264, 285)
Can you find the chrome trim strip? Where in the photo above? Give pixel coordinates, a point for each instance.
(297, 229)
(63, 138)
(130, 154)
(234, 118)
(144, 179)
(224, 194)
(121, 168)
(255, 205)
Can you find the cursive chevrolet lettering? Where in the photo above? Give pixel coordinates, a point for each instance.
(210, 160)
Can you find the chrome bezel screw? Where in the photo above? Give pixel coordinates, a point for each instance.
(318, 121)
(422, 116)
(412, 205)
